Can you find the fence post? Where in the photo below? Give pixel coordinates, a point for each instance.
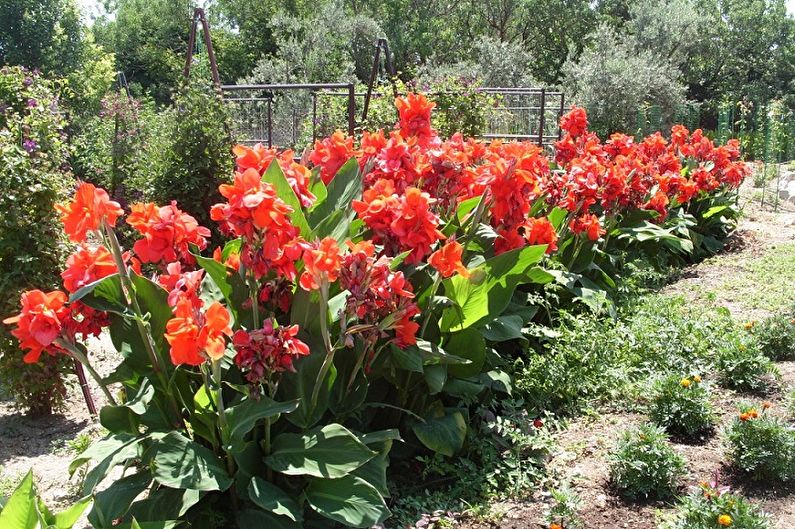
(560, 113)
(351, 109)
(541, 117)
(270, 121)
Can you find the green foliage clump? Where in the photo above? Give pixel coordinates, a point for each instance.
(198, 155)
(742, 366)
(644, 465)
(775, 336)
(681, 405)
(34, 177)
(762, 445)
(709, 507)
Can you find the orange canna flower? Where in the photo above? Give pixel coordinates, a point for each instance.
(86, 266)
(322, 262)
(190, 333)
(89, 207)
(725, 520)
(447, 260)
(40, 321)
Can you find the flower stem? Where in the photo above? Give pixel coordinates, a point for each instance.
(329, 360)
(78, 355)
(429, 310)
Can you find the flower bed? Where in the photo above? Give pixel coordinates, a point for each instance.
(364, 297)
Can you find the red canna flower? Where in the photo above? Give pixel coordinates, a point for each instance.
(541, 231)
(331, 153)
(575, 121)
(415, 118)
(86, 266)
(589, 224)
(40, 322)
(181, 285)
(447, 260)
(322, 263)
(263, 352)
(87, 210)
(168, 233)
(195, 336)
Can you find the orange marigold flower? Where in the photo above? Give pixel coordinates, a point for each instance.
(86, 266)
(555, 526)
(725, 520)
(753, 413)
(767, 405)
(194, 337)
(697, 378)
(40, 322)
(89, 207)
(447, 260)
(322, 262)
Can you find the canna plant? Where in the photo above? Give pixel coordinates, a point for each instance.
(365, 301)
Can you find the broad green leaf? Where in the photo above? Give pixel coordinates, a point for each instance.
(443, 432)
(123, 418)
(349, 500)
(115, 501)
(487, 292)
(165, 524)
(300, 384)
(499, 381)
(432, 354)
(345, 187)
(408, 359)
(104, 294)
(184, 464)
(256, 519)
(67, 518)
(108, 453)
(164, 502)
(557, 216)
(374, 471)
(274, 175)
(330, 452)
(435, 377)
(268, 496)
(19, 511)
(468, 344)
(504, 328)
(243, 416)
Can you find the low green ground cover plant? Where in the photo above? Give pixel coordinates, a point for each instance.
(709, 506)
(644, 465)
(681, 405)
(741, 365)
(776, 335)
(762, 445)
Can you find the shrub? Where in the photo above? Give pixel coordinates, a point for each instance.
(34, 176)
(762, 445)
(681, 406)
(741, 366)
(709, 507)
(644, 465)
(776, 336)
(198, 156)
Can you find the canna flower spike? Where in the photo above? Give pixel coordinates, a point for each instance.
(90, 207)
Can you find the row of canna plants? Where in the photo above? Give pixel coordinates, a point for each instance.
(364, 298)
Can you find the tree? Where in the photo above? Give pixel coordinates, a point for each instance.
(44, 34)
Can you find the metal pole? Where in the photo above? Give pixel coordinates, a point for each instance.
(373, 74)
(81, 377)
(270, 123)
(351, 109)
(541, 118)
(314, 116)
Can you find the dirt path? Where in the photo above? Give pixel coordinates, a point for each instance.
(739, 279)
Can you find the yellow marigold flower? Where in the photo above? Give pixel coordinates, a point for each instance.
(685, 383)
(725, 520)
(749, 325)
(697, 378)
